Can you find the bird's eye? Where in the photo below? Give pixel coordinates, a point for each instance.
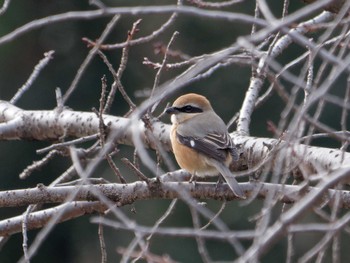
(188, 108)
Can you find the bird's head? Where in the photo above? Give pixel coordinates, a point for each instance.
(188, 106)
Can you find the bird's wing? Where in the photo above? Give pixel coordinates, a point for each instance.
(224, 141)
(212, 145)
(216, 147)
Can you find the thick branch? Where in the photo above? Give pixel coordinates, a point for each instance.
(87, 198)
(124, 194)
(40, 218)
(16, 123)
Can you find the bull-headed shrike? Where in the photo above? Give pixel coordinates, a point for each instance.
(200, 140)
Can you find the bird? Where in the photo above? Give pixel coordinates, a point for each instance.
(200, 140)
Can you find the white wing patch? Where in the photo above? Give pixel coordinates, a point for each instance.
(192, 143)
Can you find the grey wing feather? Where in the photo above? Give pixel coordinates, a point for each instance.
(224, 141)
(215, 147)
(204, 146)
(212, 145)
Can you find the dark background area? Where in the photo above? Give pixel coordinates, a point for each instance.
(77, 240)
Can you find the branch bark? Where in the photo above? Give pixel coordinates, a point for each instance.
(16, 123)
(87, 198)
(124, 194)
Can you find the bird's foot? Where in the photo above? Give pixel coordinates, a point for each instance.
(193, 180)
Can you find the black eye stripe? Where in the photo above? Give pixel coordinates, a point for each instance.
(190, 109)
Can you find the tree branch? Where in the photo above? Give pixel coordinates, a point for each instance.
(39, 219)
(123, 194)
(16, 123)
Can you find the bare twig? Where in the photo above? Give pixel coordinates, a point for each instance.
(118, 75)
(38, 164)
(161, 68)
(216, 215)
(37, 69)
(135, 170)
(102, 244)
(4, 7)
(150, 10)
(68, 143)
(163, 218)
(200, 241)
(90, 56)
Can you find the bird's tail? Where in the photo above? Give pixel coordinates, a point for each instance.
(230, 179)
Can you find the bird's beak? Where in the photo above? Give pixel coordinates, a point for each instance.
(171, 110)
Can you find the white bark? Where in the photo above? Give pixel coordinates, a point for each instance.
(16, 123)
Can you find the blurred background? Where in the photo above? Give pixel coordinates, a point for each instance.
(77, 240)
